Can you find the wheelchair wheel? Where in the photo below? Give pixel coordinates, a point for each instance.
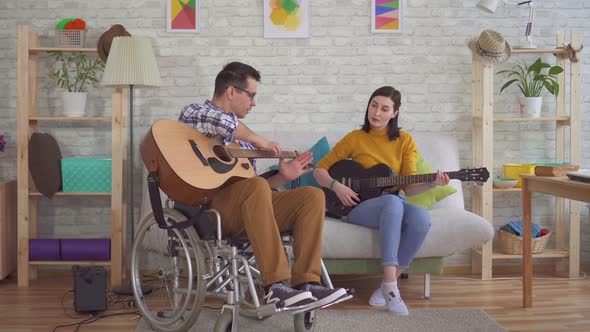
(304, 321)
(171, 263)
(224, 322)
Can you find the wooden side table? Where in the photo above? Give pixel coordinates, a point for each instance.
(556, 186)
(7, 228)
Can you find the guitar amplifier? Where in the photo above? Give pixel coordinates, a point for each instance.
(90, 285)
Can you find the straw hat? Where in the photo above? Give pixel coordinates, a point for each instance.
(490, 46)
(104, 42)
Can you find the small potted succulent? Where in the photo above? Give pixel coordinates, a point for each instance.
(74, 71)
(531, 80)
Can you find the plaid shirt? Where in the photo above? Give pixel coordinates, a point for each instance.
(213, 121)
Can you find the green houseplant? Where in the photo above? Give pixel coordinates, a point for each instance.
(531, 80)
(73, 73)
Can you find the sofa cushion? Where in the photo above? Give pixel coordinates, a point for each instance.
(320, 149)
(453, 230)
(431, 196)
(45, 163)
(442, 152)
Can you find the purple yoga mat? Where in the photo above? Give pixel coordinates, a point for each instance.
(44, 250)
(86, 249)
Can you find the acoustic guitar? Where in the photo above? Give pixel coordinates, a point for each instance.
(370, 183)
(193, 167)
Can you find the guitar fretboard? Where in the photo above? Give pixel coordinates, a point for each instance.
(246, 153)
(391, 181)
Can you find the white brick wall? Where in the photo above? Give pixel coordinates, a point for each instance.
(308, 84)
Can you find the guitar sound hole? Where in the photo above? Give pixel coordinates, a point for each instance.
(221, 153)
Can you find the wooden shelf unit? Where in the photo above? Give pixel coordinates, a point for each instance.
(27, 63)
(483, 91)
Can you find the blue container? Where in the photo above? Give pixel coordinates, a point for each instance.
(86, 174)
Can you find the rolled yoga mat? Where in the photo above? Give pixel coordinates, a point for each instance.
(86, 249)
(44, 250)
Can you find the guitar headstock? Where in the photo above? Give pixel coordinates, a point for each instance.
(473, 174)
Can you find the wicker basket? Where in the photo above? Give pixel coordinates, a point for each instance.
(513, 171)
(70, 38)
(512, 244)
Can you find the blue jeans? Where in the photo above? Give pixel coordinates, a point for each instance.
(402, 226)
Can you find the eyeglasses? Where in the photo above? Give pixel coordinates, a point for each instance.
(252, 95)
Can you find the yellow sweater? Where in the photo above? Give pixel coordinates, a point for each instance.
(374, 147)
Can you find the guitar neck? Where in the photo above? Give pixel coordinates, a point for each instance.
(399, 180)
(247, 153)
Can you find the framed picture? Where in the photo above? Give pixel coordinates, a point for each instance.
(386, 16)
(183, 15)
(286, 18)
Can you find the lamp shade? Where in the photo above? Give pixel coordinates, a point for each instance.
(131, 61)
(488, 5)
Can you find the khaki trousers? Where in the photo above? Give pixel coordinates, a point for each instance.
(250, 207)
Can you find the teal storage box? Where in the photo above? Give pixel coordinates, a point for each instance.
(86, 174)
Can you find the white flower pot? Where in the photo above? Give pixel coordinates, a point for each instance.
(74, 103)
(530, 106)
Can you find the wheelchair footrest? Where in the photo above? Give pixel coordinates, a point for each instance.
(349, 294)
(266, 310)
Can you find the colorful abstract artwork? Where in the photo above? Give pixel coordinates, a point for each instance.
(286, 18)
(183, 15)
(386, 16)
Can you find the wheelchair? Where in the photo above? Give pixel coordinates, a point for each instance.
(178, 260)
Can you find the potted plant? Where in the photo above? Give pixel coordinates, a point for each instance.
(531, 80)
(74, 71)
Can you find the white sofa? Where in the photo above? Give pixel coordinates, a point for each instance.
(349, 248)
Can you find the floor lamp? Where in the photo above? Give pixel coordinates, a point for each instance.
(131, 62)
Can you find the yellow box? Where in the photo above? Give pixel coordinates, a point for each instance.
(513, 171)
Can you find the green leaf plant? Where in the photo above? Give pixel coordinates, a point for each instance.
(531, 79)
(74, 71)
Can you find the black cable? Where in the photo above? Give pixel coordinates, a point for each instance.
(63, 305)
(94, 319)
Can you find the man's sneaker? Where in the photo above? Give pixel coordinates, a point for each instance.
(279, 292)
(322, 295)
(377, 299)
(395, 304)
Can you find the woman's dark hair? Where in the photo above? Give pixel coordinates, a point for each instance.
(396, 97)
(236, 74)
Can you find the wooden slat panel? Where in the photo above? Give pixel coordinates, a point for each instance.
(23, 154)
(62, 263)
(547, 253)
(539, 50)
(69, 118)
(575, 150)
(62, 49)
(562, 119)
(560, 156)
(119, 97)
(61, 193)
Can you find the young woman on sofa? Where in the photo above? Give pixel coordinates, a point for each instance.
(402, 225)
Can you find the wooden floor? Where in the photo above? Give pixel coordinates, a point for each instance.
(559, 304)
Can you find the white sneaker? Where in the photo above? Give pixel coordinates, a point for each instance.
(395, 304)
(377, 299)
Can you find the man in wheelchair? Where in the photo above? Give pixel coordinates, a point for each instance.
(253, 207)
